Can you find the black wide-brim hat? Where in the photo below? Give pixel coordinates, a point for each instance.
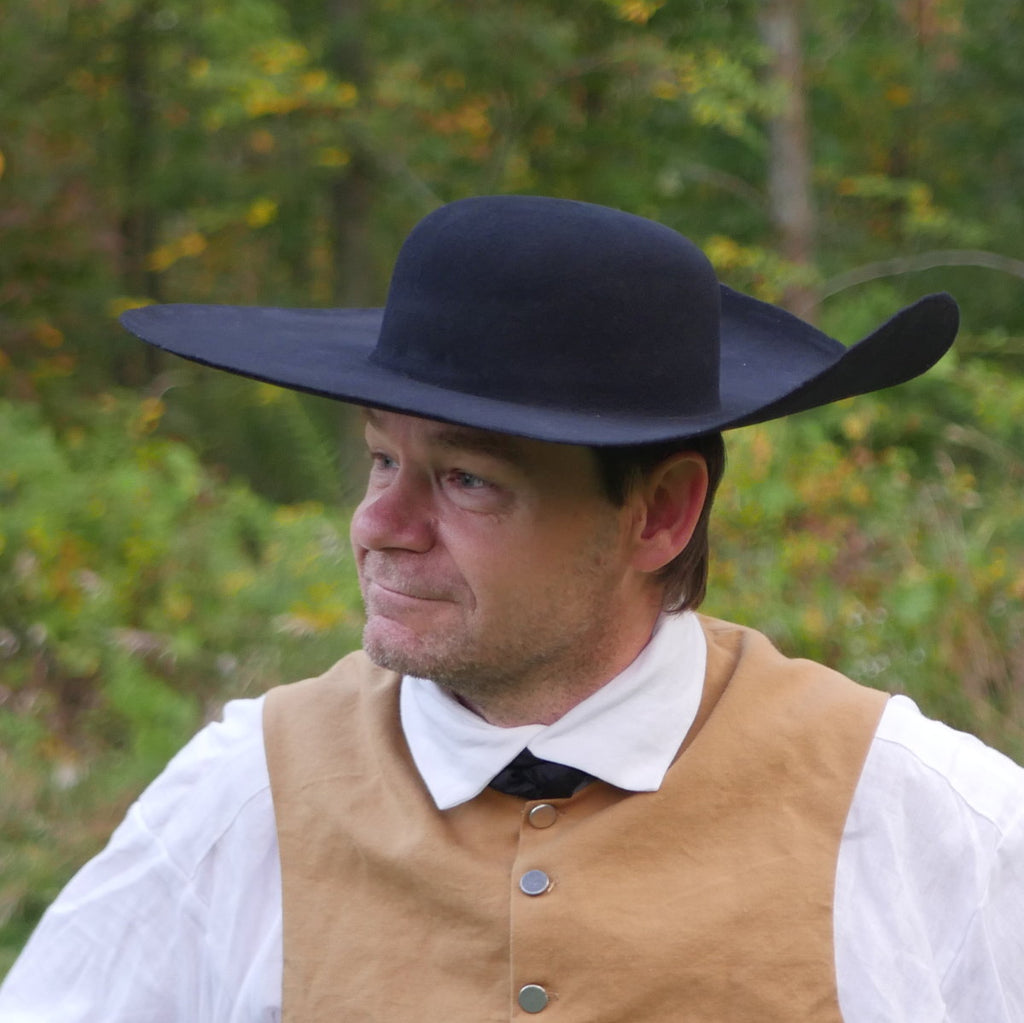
(557, 320)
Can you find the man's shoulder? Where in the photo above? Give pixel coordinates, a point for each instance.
(346, 681)
(217, 782)
(938, 799)
(742, 639)
(746, 653)
(916, 760)
(346, 678)
(928, 878)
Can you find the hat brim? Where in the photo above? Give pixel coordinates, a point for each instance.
(328, 352)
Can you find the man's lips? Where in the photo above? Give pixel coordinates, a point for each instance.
(396, 592)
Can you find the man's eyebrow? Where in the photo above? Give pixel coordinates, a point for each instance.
(469, 439)
(481, 442)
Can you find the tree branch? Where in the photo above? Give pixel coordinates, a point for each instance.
(921, 261)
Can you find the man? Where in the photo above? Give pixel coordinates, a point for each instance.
(548, 786)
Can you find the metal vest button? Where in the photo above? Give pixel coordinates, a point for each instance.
(534, 882)
(543, 815)
(532, 998)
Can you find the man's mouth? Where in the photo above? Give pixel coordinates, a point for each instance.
(401, 592)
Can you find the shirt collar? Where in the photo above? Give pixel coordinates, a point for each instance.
(627, 733)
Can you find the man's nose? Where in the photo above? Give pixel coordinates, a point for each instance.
(397, 515)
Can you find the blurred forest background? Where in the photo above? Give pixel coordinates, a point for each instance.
(172, 537)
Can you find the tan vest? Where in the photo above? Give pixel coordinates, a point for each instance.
(709, 900)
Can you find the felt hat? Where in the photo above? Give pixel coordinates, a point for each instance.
(558, 320)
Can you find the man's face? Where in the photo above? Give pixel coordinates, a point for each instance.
(489, 562)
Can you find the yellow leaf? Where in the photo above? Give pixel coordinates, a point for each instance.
(345, 94)
(859, 494)
(178, 605)
(814, 621)
(666, 89)
(191, 244)
(123, 303)
(639, 12)
(151, 410)
(261, 141)
(855, 427)
(261, 212)
(232, 583)
(161, 258)
(898, 95)
(314, 81)
(48, 335)
(332, 156)
(268, 394)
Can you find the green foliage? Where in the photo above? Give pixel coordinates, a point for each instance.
(137, 592)
(882, 537)
(260, 152)
(277, 153)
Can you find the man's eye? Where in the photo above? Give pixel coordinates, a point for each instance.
(382, 461)
(468, 481)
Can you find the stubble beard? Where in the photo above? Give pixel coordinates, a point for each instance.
(519, 681)
(474, 675)
(558, 643)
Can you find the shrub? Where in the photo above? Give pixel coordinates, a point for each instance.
(883, 536)
(137, 593)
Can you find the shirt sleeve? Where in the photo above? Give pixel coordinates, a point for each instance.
(162, 926)
(930, 879)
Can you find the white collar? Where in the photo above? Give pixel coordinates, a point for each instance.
(627, 733)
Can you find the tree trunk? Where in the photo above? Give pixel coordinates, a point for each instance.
(352, 191)
(789, 171)
(139, 217)
(350, 201)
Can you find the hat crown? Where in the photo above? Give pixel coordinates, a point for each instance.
(555, 304)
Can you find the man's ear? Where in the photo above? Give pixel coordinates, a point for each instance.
(667, 507)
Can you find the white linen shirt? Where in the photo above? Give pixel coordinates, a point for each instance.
(179, 919)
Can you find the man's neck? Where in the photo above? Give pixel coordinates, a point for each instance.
(552, 694)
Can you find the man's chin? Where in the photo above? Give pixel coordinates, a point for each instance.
(395, 648)
(406, 653)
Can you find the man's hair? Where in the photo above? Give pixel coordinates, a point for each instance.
(621, 469)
